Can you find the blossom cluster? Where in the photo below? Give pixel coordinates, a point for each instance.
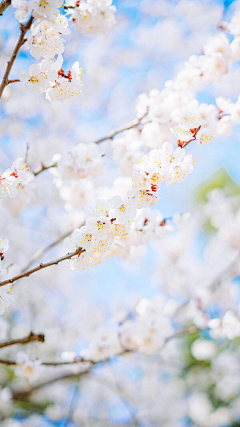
(162, 110)
(162, 164)
(82, 161)
(109, 226)
(114, 227)
(93, 16)
(49, 77)
(128, 149)
(46, 42)
(146, 332)
(189, 326)
(14, 178)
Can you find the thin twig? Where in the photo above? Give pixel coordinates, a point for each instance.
(29, 338)
(52, 364)
(80, 360)
(42, 251)
(21, 41)
(18, 395)
(41, 267)
(44, 168)
(24, 393)
(13, 81)
(130, 125)
(4, 5)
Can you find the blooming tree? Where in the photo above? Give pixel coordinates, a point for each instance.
(84, 217)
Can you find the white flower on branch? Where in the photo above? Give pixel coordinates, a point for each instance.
(14, 178)
(39, 77)
(30, 369)
(94, 16)
(23, 10)
(105, 344)
(83, 160)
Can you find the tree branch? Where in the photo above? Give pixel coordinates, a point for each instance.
(21, 41)
(44, 168)
(31, 337)
(13, 81)
(40, 267)
(130, 125)
(40, 252)
(21, 395)
(4, 5)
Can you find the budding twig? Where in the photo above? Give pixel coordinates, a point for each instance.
(41, 267)
(43, 168)
(41, 251)
(13, 81)
(21, 41)
(131, 125)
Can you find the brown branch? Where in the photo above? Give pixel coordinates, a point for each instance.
(21, 41)
(29, 338)
(13, 81)
(4, 5)
(80, 360)
(14, 363)
(19, 395)
(131, 125)
(41, 267)
(44, 168)
(22, 394)
(68, 7)
(40, 252)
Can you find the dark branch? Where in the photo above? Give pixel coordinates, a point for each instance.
(41, 267)
(13, 81)
(44, 168)
(21, 41)
(42, 251)
(29, 338)
(4, 5)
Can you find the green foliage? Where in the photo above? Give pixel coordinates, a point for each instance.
(220, 179)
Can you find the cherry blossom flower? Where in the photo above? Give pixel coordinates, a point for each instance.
(81, 238)
(105, 344)
(39, 77)
(123, 211)
(94, 16)
(27, 368)
(23, 10)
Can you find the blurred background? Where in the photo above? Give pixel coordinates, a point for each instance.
(149, 45)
